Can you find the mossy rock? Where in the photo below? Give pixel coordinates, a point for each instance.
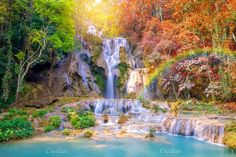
(88, 133)
(123, 55)
(123, 69)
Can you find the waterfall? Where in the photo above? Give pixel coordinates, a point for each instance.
(203, 129)
(68, 83)
(117, 106)
(111, 54)
(113, 106)
(82, 68)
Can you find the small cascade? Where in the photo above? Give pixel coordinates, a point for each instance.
(82, 69)
(68, 83)
(221, 135)
(188, 128)
(114, 106)
(204, 129)
(111, 54)
(137, 80)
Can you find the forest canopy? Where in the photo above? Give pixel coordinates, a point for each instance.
(38, 31)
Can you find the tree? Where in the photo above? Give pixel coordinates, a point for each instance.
(30, 32)
(50, 28)
(212, 20)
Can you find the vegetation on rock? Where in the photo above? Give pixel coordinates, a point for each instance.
(66, 132)
(88, 133)
(54, 123)
(123, 119)
(82, 119)
(230, 135)
(204, 107)
(151, 133)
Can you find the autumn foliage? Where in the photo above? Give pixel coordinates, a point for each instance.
(160, 29)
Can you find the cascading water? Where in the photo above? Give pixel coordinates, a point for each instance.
(84, 71)
(82, 67)
(68, 83)
(111, 54)
(113, 106)
(204, 129)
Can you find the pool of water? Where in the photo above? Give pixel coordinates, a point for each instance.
(165, 146)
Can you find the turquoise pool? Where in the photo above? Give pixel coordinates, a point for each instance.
(168, 146)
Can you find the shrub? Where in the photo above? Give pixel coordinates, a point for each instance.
(67, 109)
(230, 135)
(55, 121)
(83, 119)
(230, 127)
(175, 106)
(40, 113)
(157, 109)
(66, 132)
(151, 133)
(15, 129)
(88, 133)
(49, 128)
(13, 113)
(145, 103)
(230, 140)
(123, 119)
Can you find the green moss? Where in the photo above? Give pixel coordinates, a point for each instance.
(100, 80)
(123, 69)
(96, 51)
(40, 113)
(48, 128)
(66, 132)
